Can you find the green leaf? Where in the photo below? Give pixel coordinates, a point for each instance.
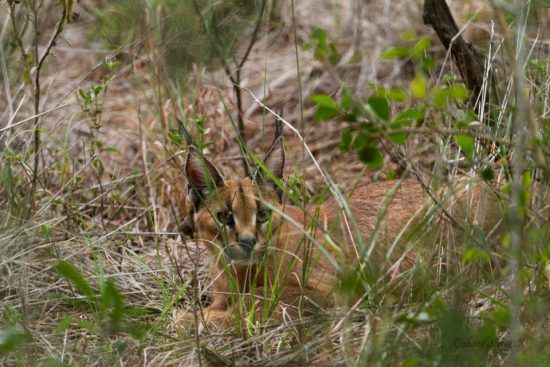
(487, 332)
(73, 275)
(11, 338)
(475, 255)
(441, 97)
(64, 323)
(112, 300)
(421, 46)
(110, 65)
(7, 176)
(393, 94)
(380, 106)
(346, 140)
(319, 34)
(347, 98)
(458, 92)
(466, 143)
(487, 174)
(502, 316)
(96, 89)
(320, 53)
(396, 53)
(175, 136)
(334, 56)
(360, 141)
(427, 64)
(324, 113)
(526, 180)
(418, 87)
(111, 149)
(397, 137)
(46, 231)
(324, 100)
(26, 77)
(410, 115)
(51, 362)
(371, 156)
(412, 362)
(90, 326)
(98, 165)
(83, 94)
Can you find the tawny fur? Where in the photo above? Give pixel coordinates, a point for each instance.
(292, 241)
(295, 237)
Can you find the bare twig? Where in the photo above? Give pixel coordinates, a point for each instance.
(466, 56)
(235, 74)
(51, 43)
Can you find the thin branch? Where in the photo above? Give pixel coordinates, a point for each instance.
(51, 43)
(467, 57)
(235, 76)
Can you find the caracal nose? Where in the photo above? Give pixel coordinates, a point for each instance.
(247, 243)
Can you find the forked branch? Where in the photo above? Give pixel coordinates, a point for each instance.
(233, 72)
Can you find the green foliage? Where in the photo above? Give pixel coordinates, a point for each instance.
(72, 274)
(380, 107)
(90, 103)
(199, 137)
(442, 110)
(12, 338)
(415, 52)
(454, 93)
(466, 143)
(323, 49)
(51, 362)
(111, 314)
(187, 32)
(423, 317)
(372, 121)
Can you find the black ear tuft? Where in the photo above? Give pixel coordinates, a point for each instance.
(185, 133)
(202, 176)
(274, 159)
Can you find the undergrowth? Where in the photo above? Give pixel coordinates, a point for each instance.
(95, 265)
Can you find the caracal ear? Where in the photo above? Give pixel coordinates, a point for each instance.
(201, 175)
(274, 160)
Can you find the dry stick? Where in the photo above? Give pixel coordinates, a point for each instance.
(253, 39)
(516, 220)
(304, 173)
(195, 262)
(466, 57)
(51, 43)
(17, 36)
(13, 114)
(236, 78)
(194, 283)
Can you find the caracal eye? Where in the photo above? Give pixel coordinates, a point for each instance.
(263, 214)
(225, 218)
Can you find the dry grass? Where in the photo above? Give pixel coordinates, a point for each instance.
(123, 223)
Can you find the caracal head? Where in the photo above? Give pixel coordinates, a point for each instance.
(235, 217)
